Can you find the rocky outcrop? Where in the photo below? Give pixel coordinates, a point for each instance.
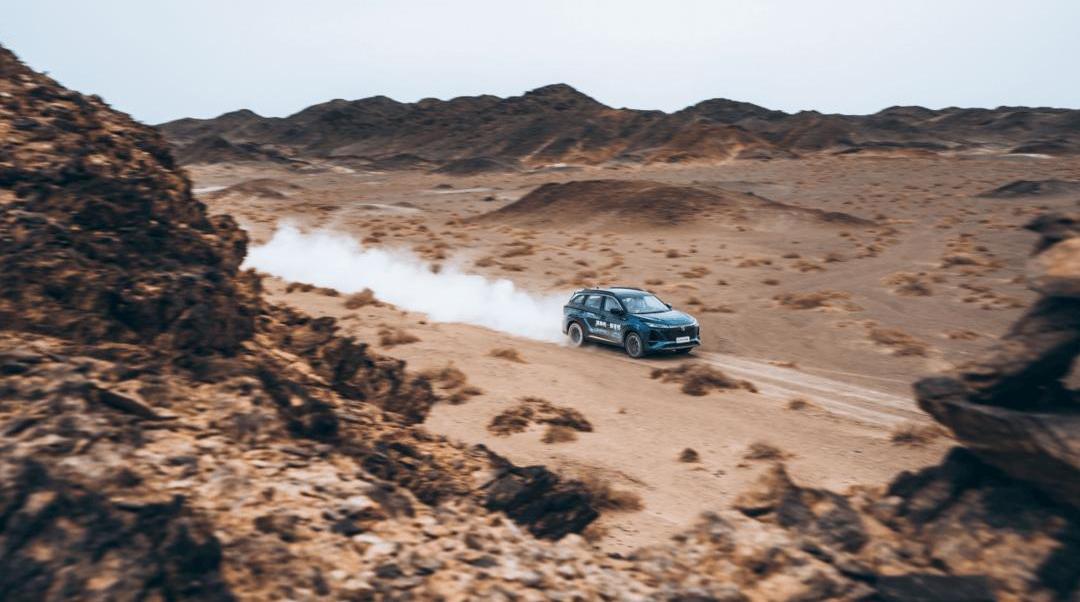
(167, 432)
(102, 240)
(1014, 407)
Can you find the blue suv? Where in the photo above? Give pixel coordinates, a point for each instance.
(632, 318)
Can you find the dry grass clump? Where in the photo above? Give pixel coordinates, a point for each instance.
(507, 353)
(717, 309)
(962, 335)
(447, 377)
(760, 450)
(902, 343)
(915, 434)
(689, 455)
(606, 497)
(559, 434)
(463, 394)
(304, 287)
(518, 249)
(511, 420)
(799, 404)
(695, 272)
(816, 299)
(363, 298)
(484, 262)
(961, 259)
(391, 336)
(908, 284)
(453, 381)
(700, 379)
(531, 410)
(805, 265)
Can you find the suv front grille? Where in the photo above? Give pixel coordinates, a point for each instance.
(670, 333)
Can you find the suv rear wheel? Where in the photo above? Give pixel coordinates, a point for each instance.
(576, 334)
(633, 345)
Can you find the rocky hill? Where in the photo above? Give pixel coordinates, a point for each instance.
(169, 434)
(642, 204)
(557, 124)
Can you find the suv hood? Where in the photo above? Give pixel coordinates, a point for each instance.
(667, 318)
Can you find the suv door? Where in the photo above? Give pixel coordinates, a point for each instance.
(591, 313)
(614, 315)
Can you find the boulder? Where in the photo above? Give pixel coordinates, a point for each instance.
(1013, 407)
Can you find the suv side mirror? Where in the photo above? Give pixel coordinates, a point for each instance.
(618, 311)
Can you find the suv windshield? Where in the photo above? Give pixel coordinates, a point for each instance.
(643, 304)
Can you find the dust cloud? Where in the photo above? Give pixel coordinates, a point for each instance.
(332, 259)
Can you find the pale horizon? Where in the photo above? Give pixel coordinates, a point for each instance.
(202, 59)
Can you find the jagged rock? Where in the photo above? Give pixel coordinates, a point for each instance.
(1012, 406)
(535, 497)
(1056, 271)
(107, 549)
(934, 588)
(102, 239)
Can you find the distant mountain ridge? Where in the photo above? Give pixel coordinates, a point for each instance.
(557, 123)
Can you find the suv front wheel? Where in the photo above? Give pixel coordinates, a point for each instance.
(633, 345)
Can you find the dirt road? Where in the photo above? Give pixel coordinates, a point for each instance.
(641, 425)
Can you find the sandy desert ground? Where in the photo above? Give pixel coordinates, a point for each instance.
(871, 271)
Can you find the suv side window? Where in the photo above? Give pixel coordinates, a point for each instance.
(593, 302)
(577, 300)
(610, 304)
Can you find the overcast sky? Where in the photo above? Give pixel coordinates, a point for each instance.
(161, 60)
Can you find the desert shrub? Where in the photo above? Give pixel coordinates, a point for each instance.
(961, 259)
(303, 287)
(507, 353)
(361, 299)
(760, 450)
(531, 410)
(558, 434)
(902, 343)
(804, 265)
(816, 299)
(695, 272)
(908, 284)
(799, 404)
(391, 336)
(518, 249)
(606, 497)
(916, 434)
(689, 455)
(700, 379)
(447, 377)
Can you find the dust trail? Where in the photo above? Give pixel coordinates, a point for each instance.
(335, 260)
